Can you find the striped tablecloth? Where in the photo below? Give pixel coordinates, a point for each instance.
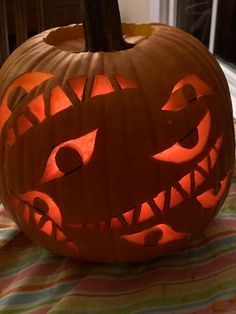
(201, 279)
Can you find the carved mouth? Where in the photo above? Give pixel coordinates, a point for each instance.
(133, 225)
(48, 220)
(151, 211)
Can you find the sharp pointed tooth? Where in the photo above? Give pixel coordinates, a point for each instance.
(42, 221)
(160, 200)
(146, 212)
(26, 213)
(129, 216)
(204, 165)
(60, 236)
(198, 177)
(176, 198)
(115, 223)
(213, 157)
(122, 220)
(185, 183)
(37, 218)
(219, 142)
(47, 228)
(136, 214)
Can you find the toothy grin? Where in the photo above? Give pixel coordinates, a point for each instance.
(148, 212)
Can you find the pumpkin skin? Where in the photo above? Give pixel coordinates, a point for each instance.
(114, 156)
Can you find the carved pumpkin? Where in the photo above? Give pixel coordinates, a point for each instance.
(117, 155)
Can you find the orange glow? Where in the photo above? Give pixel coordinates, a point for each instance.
(101, 86)
(214, 151)
(204, 164)
(53, 210)
(23, 124)
(84, 145)
(176, 198)
(199, 178)
(176, 102)
(145, 213)
(168, 235)
(219, 142)
(185, 182)
(115, 223)
(58, 100)
(77, 84)
(125, 82)
(160, 200)
(129, 216)
(179, 154)
(37, 107)
(208, 199)
(37, 218)
(47, 228)
(198, 84)
(26, 213)
(27, 81)
(60, 235)
(11, 137)
(213, 157)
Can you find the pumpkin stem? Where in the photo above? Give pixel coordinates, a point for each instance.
(102, 26)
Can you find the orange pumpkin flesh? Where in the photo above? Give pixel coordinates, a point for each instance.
(114, 156)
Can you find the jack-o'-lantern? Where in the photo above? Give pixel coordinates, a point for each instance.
(121, 151)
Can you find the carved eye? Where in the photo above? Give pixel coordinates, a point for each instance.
(185, 92)
(69, 156)
(178, 154)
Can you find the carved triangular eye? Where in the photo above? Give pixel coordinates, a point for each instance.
(69, 156)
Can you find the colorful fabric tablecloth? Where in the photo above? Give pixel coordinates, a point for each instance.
(200, 279)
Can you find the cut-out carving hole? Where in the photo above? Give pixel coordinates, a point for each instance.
(101, 86)
(37, 107)
(58, 100)
(27, 81)
(33, 198)
(77, 84)
(179, 154)
(125, 82)
(185, 92)
(83, 146)
(180, 98)
(68, 159)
